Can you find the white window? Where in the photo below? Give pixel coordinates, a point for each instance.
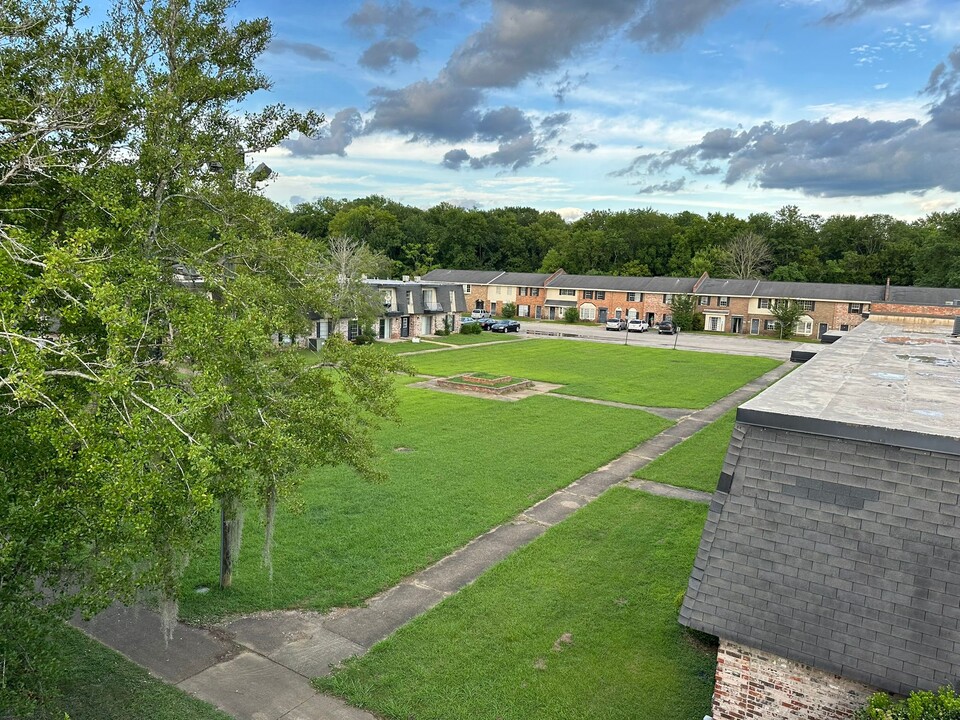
(534, 292)
(632, 297)
(631, 314)
(807, 305)
(600, 295)
(567, 292)
(668, 299)
(723, 301)
(588, 311)
(523, 310)
(588, 294)
(466, 289)
(803, 327)
(855, 308)
(769, 324)
(704, 299)
(764, 303)
(715, 323)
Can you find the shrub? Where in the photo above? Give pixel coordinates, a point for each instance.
(366, 337)
(921, 705)
(571, 315)
(470, 329)
(509, 310)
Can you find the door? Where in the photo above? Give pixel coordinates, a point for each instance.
(405, 326)
(493, 308)
(651, 319)
(478, 305)
(755, 326)
(601, 315)
(822, 330)
(382, 334)
(539, 312)
(736, 325)
(553, 313)
(425, 323)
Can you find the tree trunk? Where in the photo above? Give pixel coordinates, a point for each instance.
(231, 531)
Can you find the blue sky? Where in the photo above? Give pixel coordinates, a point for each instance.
(837, 106)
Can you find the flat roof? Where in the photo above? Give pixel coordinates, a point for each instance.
(884, 381)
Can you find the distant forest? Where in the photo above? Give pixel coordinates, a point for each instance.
(785, 245)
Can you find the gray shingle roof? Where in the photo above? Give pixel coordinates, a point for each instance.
(522, 279)
(820, 291)
(464, 277)
(833, 539)
(728, 287)
(924, 296)
(599, 282)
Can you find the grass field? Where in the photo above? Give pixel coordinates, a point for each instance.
(467, 465)
(653, 377)
(100, 684)
(579, 625)
(697, 461)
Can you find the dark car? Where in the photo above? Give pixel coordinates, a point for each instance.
(487, 323)
(667, 327)
(505, 326)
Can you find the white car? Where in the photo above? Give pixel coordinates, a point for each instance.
(616, 324)
(637, 325)
(480, 314)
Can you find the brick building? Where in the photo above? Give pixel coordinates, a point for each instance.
(829, 565)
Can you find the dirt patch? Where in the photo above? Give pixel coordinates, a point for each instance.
(534, 388)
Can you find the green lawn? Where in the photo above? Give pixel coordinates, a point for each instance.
(696, 462)
(483, 337)
(581, 624)
(654, 377)
(100, 684)
(474, 463)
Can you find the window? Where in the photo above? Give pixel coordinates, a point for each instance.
(668, 299)
(844, 328)
(588, 312)
(409, 300)
(632, 297)
(764, 303)
(534, 292)
(723, 301)
(704, 300)
(568, 293)
(803, 328)
(466, 289)
(353, 329)
(769, 324)
(600, 295)
(523, 310)
(807, 305)
(588, 294)
(855, 308)
(716, 324)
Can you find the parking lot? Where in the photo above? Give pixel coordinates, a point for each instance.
(701, 341)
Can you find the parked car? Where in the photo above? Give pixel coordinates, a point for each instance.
(467, 320)
(487, 322)
(480, 314)
(667, 327)
(617, 324)
(637, 325)
(505, 326)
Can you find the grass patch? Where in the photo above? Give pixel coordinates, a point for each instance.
(100, 684)
(697, 461)
(579, 625)
(485, 337)
(654, 377)
(463, 467)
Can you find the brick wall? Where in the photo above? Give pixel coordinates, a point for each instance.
(753, 684)
(947, 311)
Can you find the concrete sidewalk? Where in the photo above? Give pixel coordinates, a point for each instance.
(258, 667)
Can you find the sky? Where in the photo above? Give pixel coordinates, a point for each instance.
(739, 106)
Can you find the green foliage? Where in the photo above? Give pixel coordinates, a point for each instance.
(534, 636)
(508, 310)
(571, 315)
(920, 705)
(684, 310)
(786, 313)
(470, 328)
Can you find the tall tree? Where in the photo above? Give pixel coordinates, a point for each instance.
(748, 256)
(141, 279)
(786, 313)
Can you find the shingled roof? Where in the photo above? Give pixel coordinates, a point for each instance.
(833, 539)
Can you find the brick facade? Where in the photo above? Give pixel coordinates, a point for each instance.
(758, 685)
(886, 308)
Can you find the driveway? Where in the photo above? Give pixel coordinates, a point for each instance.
(702, 342)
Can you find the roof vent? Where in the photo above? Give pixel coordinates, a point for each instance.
(406, 278)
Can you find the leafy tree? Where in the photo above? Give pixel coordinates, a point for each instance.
(571, 315)
(142, 277)
(786, 313)
(683, 310)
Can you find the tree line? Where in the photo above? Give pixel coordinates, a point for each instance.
(795, 246)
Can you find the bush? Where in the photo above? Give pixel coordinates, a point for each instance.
(571, 315)
(921, 705)
(470, 329)
(366, 337)
(509, 310)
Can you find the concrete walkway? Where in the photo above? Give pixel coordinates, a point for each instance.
(258, 667)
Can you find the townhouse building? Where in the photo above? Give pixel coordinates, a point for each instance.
(742, 307)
